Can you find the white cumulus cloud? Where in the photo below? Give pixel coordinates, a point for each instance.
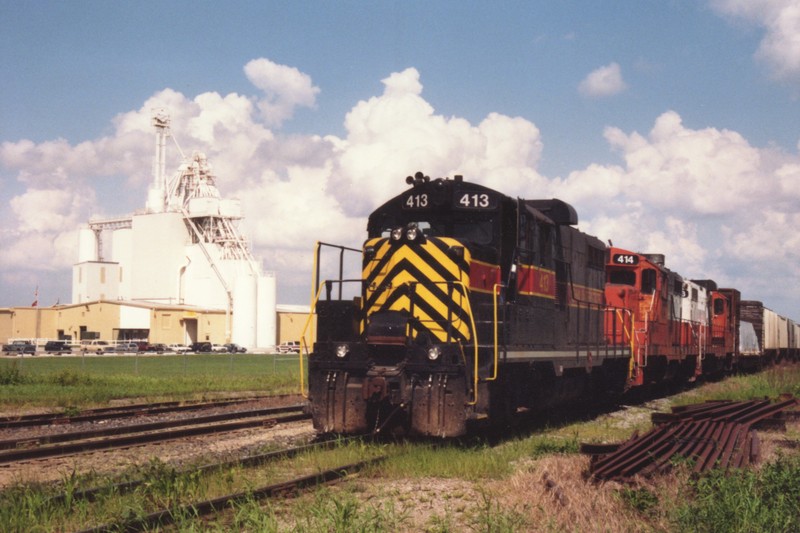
(285, 88)
(715, 205)
(780, 19)
(392, 135)
(602, 82)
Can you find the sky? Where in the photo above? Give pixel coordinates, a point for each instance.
(671, 126)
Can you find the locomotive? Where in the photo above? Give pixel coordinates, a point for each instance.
(472, 306)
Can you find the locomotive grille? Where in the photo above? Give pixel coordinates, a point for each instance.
(422, 280)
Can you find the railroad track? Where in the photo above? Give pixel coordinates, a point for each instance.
(129, 411)
(203, 508)
(132, 435)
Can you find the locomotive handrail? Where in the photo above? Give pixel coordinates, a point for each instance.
(315, 279)
(630, 333)
(303, 344)
(495, 293)
(474, 341)
(315, 271)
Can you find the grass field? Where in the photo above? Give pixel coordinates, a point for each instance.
(441, 487)
(96, 380)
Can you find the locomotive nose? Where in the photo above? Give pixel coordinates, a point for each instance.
(387, 327)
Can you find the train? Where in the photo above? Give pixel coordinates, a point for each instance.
(472, 306)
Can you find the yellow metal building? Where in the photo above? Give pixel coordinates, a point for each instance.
(115, 321)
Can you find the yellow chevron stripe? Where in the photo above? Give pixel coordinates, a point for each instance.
(403, 303)
(427, 275)
(440, 306)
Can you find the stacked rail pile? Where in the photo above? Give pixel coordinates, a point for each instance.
(710, 435)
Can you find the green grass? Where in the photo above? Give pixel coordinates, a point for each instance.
(770, 383)
(96, 380)
(758, 500)
(744, 501)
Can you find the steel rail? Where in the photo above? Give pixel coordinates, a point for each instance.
(170, 516)
(91, 494)
(27, 442)
(144, 438)
(103, 413)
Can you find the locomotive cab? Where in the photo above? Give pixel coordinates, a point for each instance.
(412, 365)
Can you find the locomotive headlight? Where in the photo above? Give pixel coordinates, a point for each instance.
(342, 350)
(434, 353)
(412, 233)
(397, 234)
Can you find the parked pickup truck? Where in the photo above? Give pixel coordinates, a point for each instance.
(289, 347)
(19, 348)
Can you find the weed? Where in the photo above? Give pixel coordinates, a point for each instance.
(69, 378)
(343, 512)
(26, 508)
(493, 518)
(641, 500)
(745, 500)
(10, 374)
(71, 410)
(167, 487)
(441, 524)
(250, 516)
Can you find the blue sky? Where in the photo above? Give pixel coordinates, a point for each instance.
(671, 126)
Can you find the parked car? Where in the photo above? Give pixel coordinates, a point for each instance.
(218, 348)
(95, 346)
(201, 347)
(19, 348)
(289, 347)
(178, 348)
(235, 348)
(157, 348)
(127, 347)
(58, 347)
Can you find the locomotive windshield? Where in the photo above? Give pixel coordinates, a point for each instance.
(622, 277)
(477, 232)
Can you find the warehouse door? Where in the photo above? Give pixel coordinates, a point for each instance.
(190, 330)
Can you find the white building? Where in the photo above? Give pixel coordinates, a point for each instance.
(183, 249)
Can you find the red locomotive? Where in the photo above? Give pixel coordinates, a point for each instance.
(676, 328)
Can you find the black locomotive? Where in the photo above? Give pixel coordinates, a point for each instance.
(471, 305)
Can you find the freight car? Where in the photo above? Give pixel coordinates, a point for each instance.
(471, 306)
(778, 337)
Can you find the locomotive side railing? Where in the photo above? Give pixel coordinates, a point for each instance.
(325, 288)
(316, 292)
(317, 264)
